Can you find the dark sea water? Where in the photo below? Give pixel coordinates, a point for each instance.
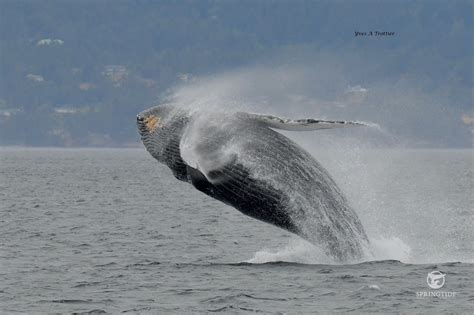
(111, 230)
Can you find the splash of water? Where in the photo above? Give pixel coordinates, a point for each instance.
(300, 251)
(296, 251)
(391, 249)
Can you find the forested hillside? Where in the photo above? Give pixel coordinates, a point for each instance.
(75, 73)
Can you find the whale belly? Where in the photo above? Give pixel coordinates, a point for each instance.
(252, 197)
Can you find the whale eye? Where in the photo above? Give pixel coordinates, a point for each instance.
(153, 122)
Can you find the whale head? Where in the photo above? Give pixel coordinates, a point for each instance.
(160, 127)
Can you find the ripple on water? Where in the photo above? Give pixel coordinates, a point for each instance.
(96, 244)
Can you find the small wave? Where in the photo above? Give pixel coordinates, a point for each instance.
(144, 264)
(235, 297)
(370, 287)
(269, 263)
(250, 264)
(86, 284)
(92, 312)
(137, 310)
(231, 308)
(106, 264)
(71, 301)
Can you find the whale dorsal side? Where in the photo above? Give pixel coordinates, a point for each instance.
(306, 124)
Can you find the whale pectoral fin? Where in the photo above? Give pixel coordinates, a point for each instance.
(207, 182)
(199, 181)
(219, 179)
(306, 124)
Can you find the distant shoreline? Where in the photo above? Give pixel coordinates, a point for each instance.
(141, 147)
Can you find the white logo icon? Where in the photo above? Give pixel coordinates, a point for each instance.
(435, 280)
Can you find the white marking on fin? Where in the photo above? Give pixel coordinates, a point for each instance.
(302, 124)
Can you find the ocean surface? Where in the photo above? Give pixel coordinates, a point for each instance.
(111, 230)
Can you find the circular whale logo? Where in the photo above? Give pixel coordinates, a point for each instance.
(435, 279)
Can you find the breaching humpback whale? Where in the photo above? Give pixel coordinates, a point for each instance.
(239, 159)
